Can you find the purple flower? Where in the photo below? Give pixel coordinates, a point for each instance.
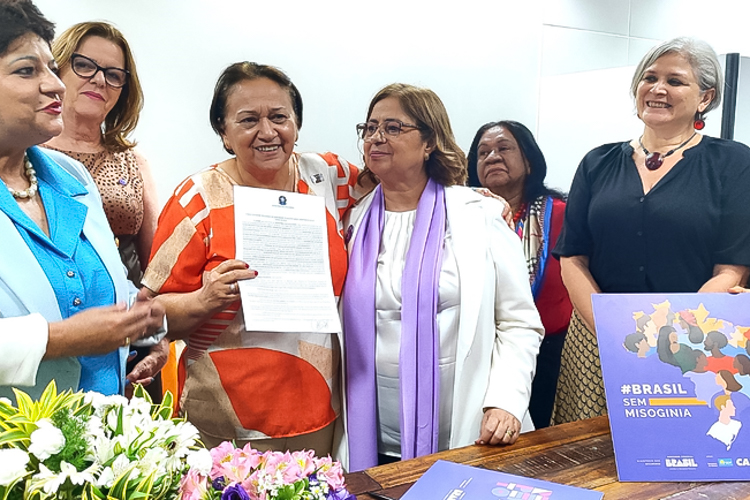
(237, 492)
(341, 494)
(219, 483)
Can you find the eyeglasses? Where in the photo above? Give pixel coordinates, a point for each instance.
(87, 68)
(389, 127)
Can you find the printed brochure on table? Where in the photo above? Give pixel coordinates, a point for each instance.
(452, 481)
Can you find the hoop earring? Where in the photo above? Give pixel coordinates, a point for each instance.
(699, 123)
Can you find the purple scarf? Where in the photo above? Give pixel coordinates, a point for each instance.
(418, 357)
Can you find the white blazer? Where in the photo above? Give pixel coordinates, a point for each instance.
(28, 303)
(499, 329)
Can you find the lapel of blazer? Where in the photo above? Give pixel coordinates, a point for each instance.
(353, 220)
(95, 227)
(26, 288)
(467, 225)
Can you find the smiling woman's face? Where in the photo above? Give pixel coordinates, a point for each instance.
(669, 94)
(395, 159)
(259, 126)
(91, 98)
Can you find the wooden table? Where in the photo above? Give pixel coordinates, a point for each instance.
(577, 454)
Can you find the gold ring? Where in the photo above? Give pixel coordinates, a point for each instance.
(509, 433)
(235, 287)
(127, 342)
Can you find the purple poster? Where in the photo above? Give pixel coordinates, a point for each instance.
(452, 481)
(677, 378)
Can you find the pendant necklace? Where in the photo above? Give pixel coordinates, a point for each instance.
(655, 160)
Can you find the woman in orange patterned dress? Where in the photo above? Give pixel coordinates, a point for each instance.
(278, 391)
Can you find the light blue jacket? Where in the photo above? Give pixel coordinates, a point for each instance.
(27, 301)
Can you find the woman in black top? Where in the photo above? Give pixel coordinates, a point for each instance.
(665, 212)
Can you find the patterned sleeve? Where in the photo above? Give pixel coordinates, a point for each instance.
(178, 255)
(347, 190)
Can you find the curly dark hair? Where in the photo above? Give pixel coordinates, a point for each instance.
(20, 17)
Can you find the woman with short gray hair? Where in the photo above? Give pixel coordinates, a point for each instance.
(702, 60)
(664, 212)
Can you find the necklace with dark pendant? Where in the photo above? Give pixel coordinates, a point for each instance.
(655, 160)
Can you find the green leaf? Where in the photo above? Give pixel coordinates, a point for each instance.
(163, 412)
(119, 429)
(168, 399)
(118, 488)
(13, 436)
(49, 395)
(25, 405)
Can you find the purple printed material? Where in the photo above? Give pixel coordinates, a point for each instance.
(677, 378)
(452, 481)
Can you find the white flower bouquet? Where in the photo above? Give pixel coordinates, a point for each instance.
(90, 446)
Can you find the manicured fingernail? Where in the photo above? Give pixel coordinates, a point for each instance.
(256, 273)
(132, 353)
(247, 266)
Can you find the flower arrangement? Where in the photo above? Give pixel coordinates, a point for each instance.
(247, 474)
(89, 446)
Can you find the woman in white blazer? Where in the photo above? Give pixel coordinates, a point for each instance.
(440, 329)
(60, 273)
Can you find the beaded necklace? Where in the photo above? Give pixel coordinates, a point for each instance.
(34, 184)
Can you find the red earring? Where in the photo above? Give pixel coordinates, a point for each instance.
(698, 124)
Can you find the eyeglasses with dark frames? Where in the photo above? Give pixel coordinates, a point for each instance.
(87, 68)
(391, 128)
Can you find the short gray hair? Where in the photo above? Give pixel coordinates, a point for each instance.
(702, 59)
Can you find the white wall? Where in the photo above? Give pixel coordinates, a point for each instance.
(589, 51)
(562, 67)
(338, 53)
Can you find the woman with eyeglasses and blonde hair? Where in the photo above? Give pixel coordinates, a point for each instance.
(100, 110)
(440, 328)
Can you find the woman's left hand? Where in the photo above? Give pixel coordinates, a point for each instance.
(498, 427)
(144, 372)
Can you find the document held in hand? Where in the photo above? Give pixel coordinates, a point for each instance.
(283, 236)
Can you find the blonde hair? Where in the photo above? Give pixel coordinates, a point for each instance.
(123, 117)
(447, 163)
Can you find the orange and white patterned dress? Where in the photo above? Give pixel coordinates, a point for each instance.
(239, 384)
